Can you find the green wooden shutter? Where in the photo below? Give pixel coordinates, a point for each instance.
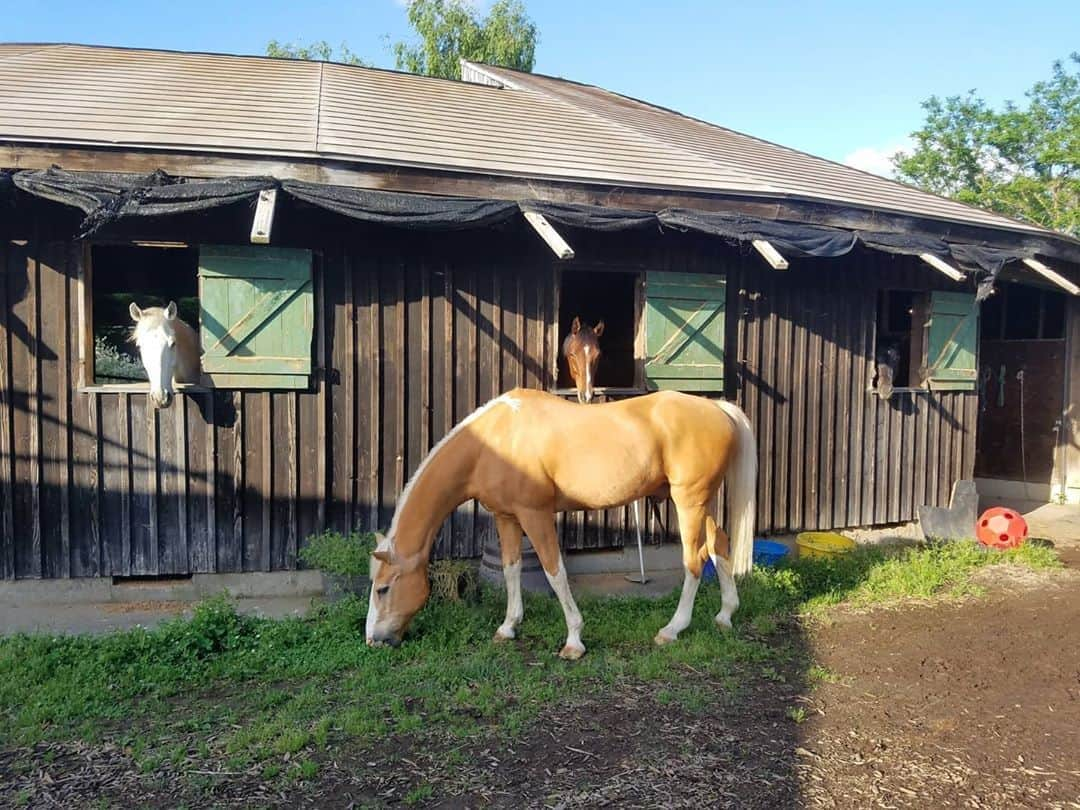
(684, 331)
(952, 341)
(256, 315)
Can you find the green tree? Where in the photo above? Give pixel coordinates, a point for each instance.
(450, 30)
(1023, 161)
(317, 52)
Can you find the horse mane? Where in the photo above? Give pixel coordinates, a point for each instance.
(514, 403)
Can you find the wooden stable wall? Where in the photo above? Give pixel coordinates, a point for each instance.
(832, 454)
(412, 335)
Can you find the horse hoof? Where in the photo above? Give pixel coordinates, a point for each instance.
(723, 623)
(502, 635)
(661, 640)
(569, 653)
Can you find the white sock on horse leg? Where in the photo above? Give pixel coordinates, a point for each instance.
(685, 611)
(514, 608)
(561, 586)
(729, 595)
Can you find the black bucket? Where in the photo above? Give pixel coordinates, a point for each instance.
(533, 578)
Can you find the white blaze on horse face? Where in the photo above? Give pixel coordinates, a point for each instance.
(156, 339)
(588, 373)
(383, 544)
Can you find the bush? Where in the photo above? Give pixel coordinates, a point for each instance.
(335, 553)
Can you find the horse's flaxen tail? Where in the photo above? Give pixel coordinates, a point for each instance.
(741, 481)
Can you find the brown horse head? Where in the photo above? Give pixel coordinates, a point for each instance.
(582, 350)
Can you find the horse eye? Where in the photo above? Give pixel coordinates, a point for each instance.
(382, 591)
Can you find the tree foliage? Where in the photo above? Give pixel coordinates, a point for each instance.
(320, 51)
(1023, 161)
(450, 30)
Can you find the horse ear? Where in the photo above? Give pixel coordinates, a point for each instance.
(134, 311)
(386, 557)
(170, 311)
(575, 327)
(598, 330)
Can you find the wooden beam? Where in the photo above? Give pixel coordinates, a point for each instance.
(549, 234)
(1053, 276)
(942, 267)
(770, 254)
(263, 222)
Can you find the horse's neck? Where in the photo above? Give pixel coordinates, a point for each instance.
(188, 361)
(439, 486)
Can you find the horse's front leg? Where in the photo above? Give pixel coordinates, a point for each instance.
(510, 544)
(691, 519)
(540, 526)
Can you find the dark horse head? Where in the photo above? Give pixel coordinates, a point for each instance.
(582, 350)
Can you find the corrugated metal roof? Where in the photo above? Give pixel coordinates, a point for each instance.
(509, 123)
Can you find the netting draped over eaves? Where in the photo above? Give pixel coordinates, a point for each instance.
(106, 198)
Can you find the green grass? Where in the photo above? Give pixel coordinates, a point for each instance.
(277, 692)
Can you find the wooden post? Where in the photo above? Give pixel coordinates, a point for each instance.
(549, 235)
(942, 267)
(263, 222)
(770, 254)
(1053, 276)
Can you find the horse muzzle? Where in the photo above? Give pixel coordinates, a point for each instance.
(383, 641)
(161, 399)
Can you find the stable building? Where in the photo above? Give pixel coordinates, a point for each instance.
(369, 256)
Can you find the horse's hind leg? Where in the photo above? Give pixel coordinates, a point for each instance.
(691, 518)
(719, 552)
(510, 543)
(540, 526)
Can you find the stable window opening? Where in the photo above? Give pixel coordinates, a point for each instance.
(1020, 312)
(899, 344)
(250, 310)
(592, 297)
(147, 277)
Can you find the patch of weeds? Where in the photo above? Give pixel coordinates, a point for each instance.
(796, 714)
(420, 793)
(818, 674)
(270, 770)
(304, 770)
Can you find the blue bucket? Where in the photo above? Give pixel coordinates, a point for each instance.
(767, 553)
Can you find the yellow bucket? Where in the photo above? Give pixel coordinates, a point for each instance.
(823, 544)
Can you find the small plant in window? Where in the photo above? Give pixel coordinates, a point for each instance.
(112, 364)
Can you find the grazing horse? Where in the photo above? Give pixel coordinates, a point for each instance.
(169, 349)
(582, 350)
(528, 454)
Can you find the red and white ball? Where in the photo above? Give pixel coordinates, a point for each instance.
(999, 527)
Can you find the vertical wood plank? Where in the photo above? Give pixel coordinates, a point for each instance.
(342, 387)
(7, 442)
(845, 332)
(267, 494)
(813, 465)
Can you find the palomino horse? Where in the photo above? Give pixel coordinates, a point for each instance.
(527, 455)
(169, 349)
(582, 351)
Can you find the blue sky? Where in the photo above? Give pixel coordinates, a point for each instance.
(838, 79)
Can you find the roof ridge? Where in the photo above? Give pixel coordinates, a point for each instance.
(643, 137)
(701, 122)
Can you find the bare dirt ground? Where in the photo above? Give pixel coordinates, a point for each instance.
(975, 704)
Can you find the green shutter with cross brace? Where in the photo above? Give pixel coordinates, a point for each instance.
(684, 331)
(952, 342)
(256, 316)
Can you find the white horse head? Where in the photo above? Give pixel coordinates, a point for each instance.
(155, 335)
